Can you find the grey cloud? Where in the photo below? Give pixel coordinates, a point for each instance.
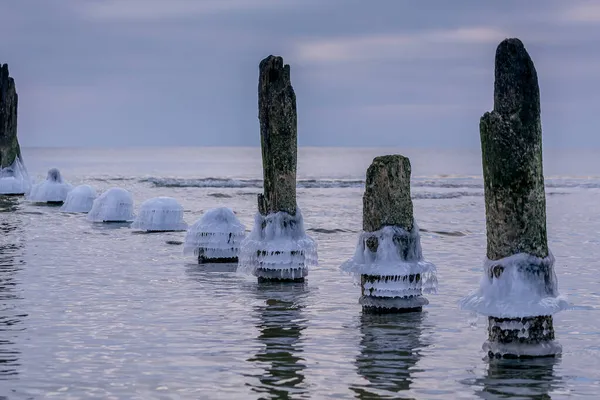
(133, 72)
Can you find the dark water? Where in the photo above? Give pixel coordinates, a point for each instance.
(90, 311)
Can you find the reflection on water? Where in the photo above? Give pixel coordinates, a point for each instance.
(390, 347)
(280, 323)
(11, 250)
(522, 379)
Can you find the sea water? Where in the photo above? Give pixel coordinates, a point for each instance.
(97, 311)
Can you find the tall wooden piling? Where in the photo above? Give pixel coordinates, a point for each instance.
(515, 201)
(278, 248)
(9, 145)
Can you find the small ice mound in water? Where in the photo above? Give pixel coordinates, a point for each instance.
(52, 190)
(79, 200)
(395, 275)
(518, 286)
(216, 237)
(278, 248)
(114, 205)
(160, 214)
(14, 179)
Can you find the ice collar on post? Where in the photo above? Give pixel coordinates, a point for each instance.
(160, 214)
(216, 237)
(395, 275)
(14, 179)
(278, 248)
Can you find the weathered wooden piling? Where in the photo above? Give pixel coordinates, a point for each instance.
(9, 145)
(388, 258)
(278, 137)
(515, 204)
(278, 248)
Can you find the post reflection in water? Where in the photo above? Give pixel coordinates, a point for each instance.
(390, 347)
(280, 325)
(11, 262)
(531, 378)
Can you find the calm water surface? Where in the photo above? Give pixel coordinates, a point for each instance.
(96, 311)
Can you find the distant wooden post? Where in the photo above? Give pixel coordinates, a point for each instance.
(515, 201)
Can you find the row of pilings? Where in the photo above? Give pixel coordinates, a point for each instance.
(388, 261)
(518, 291)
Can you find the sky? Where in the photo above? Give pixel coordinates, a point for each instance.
(402, 73)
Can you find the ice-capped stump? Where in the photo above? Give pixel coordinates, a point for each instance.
(114, 205)
(53, 190)
(388, 260)
(79, 200)
(216, 237)
(160, 214)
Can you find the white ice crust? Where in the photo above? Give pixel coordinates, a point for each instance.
(517, 292)
(219, 233)
(160, 214)
(15, 178)
(79, 200)
(282, 245)
(53, 189)
(114, 205)
(393, 268)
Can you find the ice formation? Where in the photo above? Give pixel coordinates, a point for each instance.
(52, 190)
(114, 205)
(15, 179)
(521, 285)
(278, 247)
(79, 200)
(160, 214)
(216, 236)
(395, 275)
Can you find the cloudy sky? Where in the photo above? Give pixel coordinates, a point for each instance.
(415, 73)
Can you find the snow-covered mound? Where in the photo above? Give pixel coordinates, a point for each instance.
(15, 179)
(79, 200)
(217, 235)
(53, 190)
(160, 214)
(114, 205)
(278, 248)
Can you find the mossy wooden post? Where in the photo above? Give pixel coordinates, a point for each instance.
(387, 202)
(9, 145)
(515, 200)
(278, 139)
